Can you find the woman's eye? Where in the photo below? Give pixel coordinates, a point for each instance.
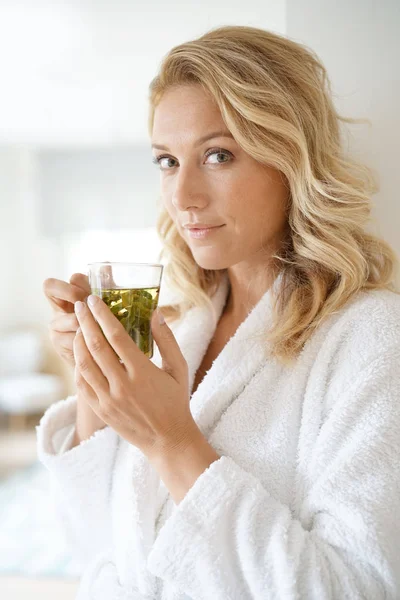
(219, 153)
(159, 161)
(166, 162)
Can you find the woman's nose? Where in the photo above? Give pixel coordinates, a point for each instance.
(188, 191)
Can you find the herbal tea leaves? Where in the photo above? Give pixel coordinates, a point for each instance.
(133, 308)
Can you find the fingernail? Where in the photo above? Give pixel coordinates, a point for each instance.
(92, 300)
(78, 306)
(160, 317)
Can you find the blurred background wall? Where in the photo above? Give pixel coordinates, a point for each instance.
(359, 43)
(76, 179)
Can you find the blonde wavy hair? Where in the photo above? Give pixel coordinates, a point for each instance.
(274, 96)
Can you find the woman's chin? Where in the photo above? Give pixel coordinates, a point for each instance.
(210, 263)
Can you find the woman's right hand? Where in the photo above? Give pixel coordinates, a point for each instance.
(63, 327)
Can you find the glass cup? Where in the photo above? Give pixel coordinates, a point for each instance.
(131, 291)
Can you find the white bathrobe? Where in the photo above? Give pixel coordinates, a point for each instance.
(304, 501)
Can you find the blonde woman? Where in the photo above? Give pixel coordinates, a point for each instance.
(257, 454)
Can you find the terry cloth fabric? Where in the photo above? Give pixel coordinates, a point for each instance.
(302, 503)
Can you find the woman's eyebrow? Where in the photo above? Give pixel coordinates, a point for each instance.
(204, 138)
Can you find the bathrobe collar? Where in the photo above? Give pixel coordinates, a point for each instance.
(239, 360)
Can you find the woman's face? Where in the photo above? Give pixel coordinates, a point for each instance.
(214, 182)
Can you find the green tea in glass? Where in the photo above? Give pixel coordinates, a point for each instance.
(131, 291)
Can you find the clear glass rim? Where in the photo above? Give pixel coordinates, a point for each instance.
(130, 264)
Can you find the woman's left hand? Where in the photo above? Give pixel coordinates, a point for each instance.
(146, 405)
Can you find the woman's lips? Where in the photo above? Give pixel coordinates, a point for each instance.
(200, 234)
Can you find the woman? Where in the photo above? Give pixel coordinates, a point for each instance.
(257, 454)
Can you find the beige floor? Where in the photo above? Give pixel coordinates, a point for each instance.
(17, 450)
(19, 588)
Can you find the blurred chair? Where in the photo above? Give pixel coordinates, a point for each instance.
(24, 389)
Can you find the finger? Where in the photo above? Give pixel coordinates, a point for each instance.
(97, 344)
(117, 337)
(103, 279)
(64, 349)
(88, 369)
(173, 361)
(62, 295)
(84, 387)
(82, 281)
(64, 323)
(86, 392)
(106, 276)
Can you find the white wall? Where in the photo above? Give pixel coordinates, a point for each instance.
(26, 258)
(97, 189)
(76, 72)
(8, 215)
(359, 44)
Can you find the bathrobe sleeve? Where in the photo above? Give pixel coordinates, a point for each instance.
(230, 539)
(80, 479)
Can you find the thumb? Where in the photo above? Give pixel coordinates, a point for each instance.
(173, 361)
